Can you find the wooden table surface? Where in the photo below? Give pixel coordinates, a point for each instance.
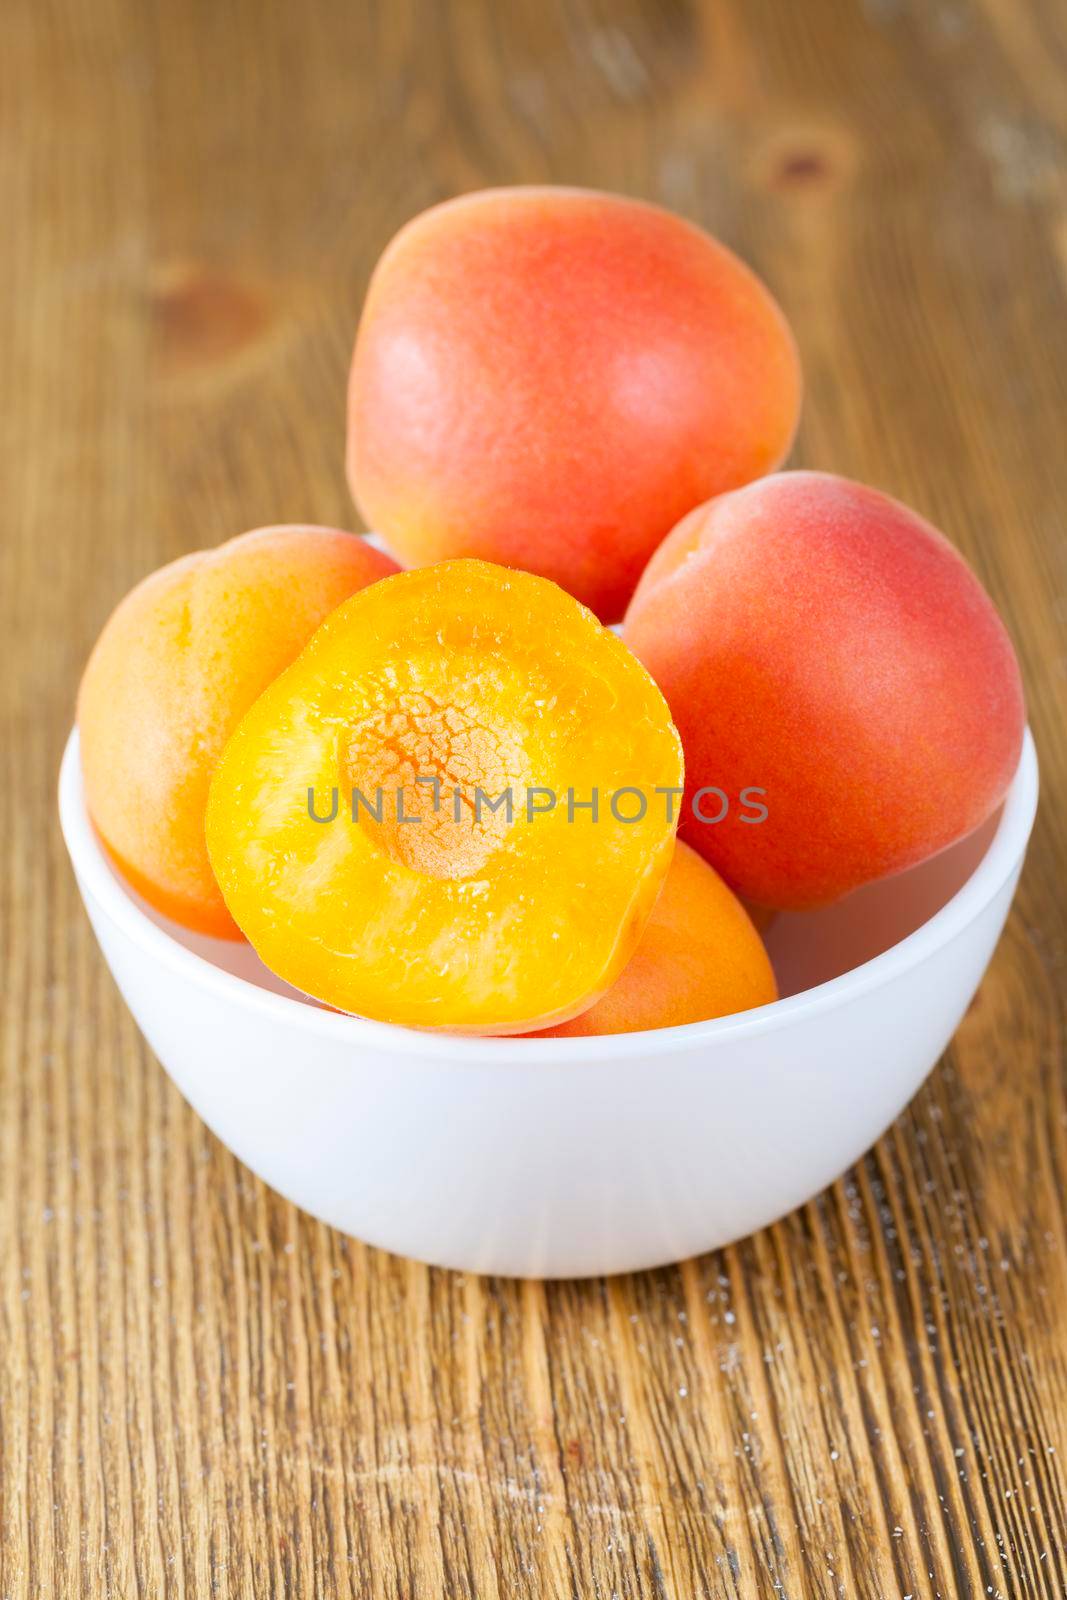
(202, 1391)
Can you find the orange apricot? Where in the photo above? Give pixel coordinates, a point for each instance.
(176, 667)
(549, 378)
(699, 957)
(825, 645)
(402, 824)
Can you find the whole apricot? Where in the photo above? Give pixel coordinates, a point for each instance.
(176, 667)
(822, 643)
(699, 957)
(449, 812)
(549, 378)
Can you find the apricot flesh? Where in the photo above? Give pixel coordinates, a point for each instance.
(699, 957)
(821, 641)
(414, 903)
(549, 378)
(175, 668)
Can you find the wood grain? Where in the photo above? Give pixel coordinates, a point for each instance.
(203, 1392)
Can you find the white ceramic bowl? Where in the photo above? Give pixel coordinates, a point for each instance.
(564, 1157)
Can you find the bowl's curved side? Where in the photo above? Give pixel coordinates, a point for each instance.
(1001, 859)
(539, 1169)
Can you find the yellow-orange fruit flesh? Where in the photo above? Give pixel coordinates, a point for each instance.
(699, 957)
(177, 665)
(483, 680)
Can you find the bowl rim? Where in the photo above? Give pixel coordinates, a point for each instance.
(96, 876)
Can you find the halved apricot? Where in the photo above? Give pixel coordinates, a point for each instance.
(495, 777)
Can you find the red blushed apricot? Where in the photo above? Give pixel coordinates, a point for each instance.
(176, 667)
(430, 719)
(699, 957)
(550, 378)
(818, 640)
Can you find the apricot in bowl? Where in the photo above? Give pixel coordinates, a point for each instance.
(549, 378)
(699, 957)
(177, 665)
(451, 811)
(822, 642)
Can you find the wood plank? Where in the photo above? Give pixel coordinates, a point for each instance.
(203, 1392)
